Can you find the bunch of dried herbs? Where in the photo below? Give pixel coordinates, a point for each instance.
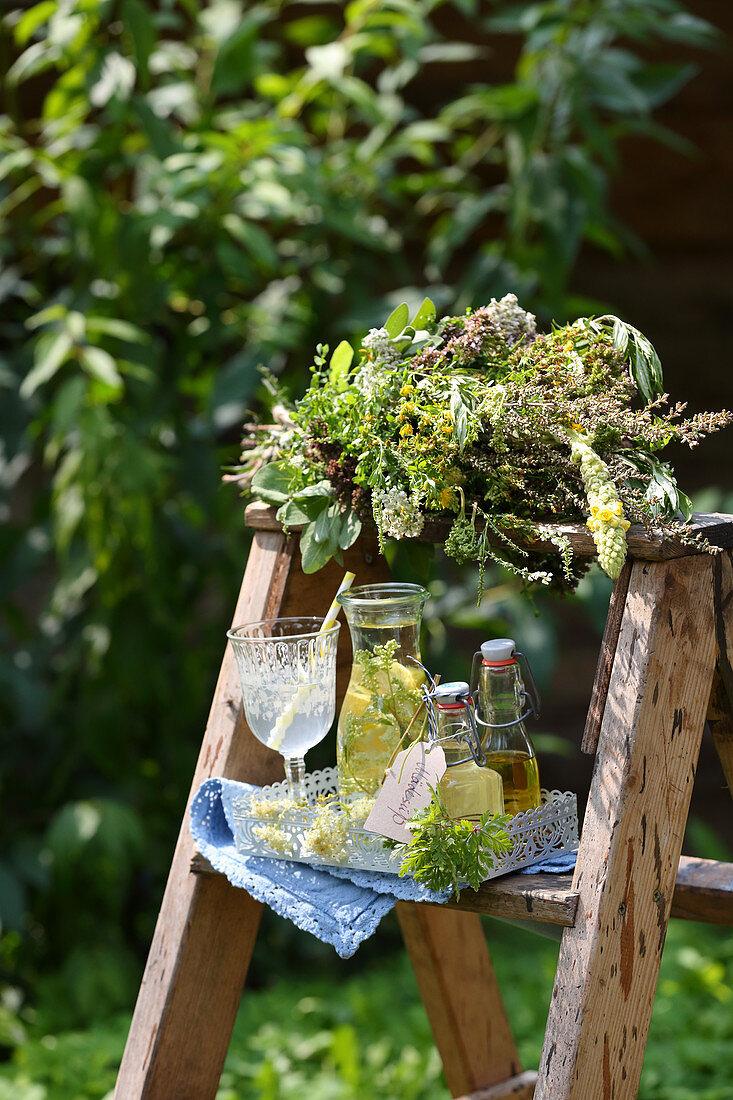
(481, 418)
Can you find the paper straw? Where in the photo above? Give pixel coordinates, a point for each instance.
(283, 722)
(333, 612)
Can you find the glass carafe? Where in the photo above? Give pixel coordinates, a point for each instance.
(503, 704)
(468, 788)
(379, 712)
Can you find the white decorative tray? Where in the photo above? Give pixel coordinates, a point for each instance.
(538, 834)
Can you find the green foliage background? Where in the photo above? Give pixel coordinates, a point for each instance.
(188, 190)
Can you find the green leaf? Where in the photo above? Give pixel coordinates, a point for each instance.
(322, 489)
(101, 365)
(34, 18)
(397, 320)
(325, 524)
(50, 354)
(425, 316)
(350, 530)
(138, 20)
(314, 555)
(50, 313)
(271, 483)
(339, 365)
(123, 330)
(290, 515)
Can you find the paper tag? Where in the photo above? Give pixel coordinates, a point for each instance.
(406, 788)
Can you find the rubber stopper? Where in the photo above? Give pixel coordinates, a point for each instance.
(498, 650)
(448, 693)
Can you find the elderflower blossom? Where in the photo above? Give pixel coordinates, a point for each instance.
(358, 810)
(270, 809)
(328, 833)
(400, 517)
(273, 836)
(380, 347)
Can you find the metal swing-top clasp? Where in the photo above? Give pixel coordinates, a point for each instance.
(502, 653)
(446, 703)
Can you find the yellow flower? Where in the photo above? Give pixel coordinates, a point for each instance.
(406, 390)
(607, 515)
(447, 429)
(406, 430)
(569, 346)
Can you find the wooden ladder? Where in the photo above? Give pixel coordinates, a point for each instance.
(664, 669)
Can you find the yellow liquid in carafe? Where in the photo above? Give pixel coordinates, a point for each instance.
(520, 777)
(469, 791)
(375, 713)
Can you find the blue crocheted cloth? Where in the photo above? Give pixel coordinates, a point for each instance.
(339, 905)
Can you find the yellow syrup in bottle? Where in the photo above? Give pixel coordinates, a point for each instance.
(503, 704)
(469, 791)
(520, 779)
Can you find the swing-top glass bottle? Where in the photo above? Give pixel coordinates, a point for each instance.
(468, 788)
(503, 705)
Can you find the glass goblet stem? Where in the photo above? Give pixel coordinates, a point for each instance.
(295, 776)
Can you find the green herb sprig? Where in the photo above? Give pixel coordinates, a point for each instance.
(446, 854)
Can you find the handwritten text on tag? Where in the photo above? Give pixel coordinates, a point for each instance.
(406, 788)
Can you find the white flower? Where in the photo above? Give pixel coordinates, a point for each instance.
(328, 834)
(512, 322)
(378, 342)
(400, 517)
(366, 380)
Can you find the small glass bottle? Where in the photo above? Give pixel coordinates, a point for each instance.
(379, 711)
(468, 789)
(503, 704)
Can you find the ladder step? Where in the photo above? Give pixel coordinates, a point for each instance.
(546, 898)
(516, 1088)
(703, 892)
(717, 528)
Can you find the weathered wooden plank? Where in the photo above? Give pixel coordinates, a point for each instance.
(518, 1088)
(548, 899)
(720, 721)
(704, 891)
(720, 710)
(206, 929)
(461, 996)
(605, 661)
(716, 527)
(632, 835)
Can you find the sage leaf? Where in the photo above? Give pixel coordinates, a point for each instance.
(397, 320)
(271, 483)
(314, 555)
(350, 530)
(425, 315)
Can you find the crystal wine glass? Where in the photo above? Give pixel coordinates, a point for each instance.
(287, 668)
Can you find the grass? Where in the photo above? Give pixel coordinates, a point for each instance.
(368, 1036)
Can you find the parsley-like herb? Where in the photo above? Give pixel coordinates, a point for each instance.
(446, 854)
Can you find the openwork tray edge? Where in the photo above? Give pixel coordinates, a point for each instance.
(538, 834)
